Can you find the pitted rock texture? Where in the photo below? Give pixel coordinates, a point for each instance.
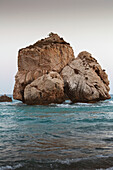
(84, 80)
(47, 89)
(49, 54)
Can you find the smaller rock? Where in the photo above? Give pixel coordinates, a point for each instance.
(5, 98)
(46, 89)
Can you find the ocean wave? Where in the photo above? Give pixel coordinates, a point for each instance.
(66, 104)
(8, 167)
(75, 105)
(69, 161)
(80, 105)
(17, 103)
(110, 102)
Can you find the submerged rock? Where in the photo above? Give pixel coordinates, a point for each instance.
(84, 80)
(47, 89)
(5, 98)
(49, 54)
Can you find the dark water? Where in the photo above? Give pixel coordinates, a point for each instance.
(67, 136)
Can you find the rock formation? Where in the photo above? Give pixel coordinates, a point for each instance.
(48, 72)
(47, 89)
(84, 80)
(49, 54)
(5, 98)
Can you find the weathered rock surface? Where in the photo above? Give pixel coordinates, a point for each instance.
(5, 98)
(41, 66)
(49, 54)
(47, 89)
(84, 79)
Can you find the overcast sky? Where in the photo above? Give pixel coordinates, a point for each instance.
(85, 24)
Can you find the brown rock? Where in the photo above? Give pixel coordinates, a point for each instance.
(5, 98)
(47, 89)
(84, 80)
(49, 54)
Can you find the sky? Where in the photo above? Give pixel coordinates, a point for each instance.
(86, 24)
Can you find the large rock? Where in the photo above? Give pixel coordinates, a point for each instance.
(47, 89)
(49, 54)
(84, 80)
(5, 98)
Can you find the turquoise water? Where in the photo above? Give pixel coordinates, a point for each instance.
(58, 136)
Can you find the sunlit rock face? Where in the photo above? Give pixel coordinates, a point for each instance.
(84, 79)
(34, 61)
(47, 89)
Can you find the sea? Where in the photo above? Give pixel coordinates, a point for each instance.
(56, 137)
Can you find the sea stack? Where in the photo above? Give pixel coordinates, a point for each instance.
(34, 61)
(48, 71)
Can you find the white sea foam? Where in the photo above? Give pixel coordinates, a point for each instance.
(18, 103)
(75, 105)
(9, 103)
(111, 102)
(7, 167)
(69, 161)
(65, 106)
